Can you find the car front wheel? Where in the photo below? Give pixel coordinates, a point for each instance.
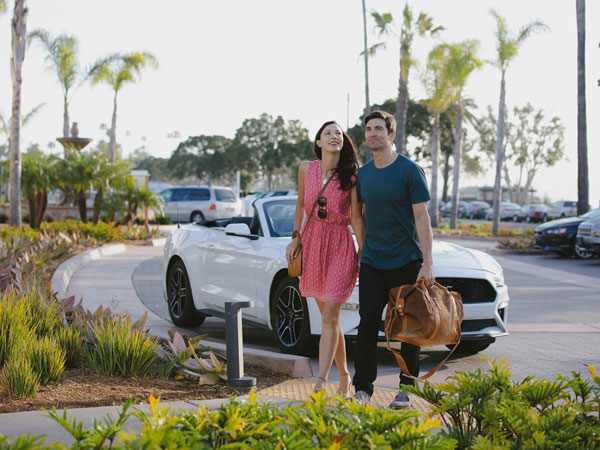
(196, 216)
(179, 297)
(289, 318)
(582, 254)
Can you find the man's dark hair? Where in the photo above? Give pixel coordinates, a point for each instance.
(390, 121)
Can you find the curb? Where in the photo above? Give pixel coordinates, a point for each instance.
(293, 365)
(62, 275)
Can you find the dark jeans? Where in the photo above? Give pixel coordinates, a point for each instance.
(373, 291)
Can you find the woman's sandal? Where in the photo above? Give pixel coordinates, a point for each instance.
(322, 381)
(345, 385)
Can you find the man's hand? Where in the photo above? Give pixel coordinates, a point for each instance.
(427, 273)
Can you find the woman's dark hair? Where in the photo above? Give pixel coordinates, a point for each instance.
(348, 164)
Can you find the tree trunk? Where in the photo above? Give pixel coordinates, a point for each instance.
(401, 108)
(458, 133)
(98, 200)
(435, 145)
(368, 155)
(113, 131)
(66, 118)
(446, 177)
(583, 194)
(18, 44)
(499, 156)
(81, 205)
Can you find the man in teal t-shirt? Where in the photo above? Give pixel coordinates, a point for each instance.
(397, 249)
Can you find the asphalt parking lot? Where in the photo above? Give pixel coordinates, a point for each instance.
(553, 318)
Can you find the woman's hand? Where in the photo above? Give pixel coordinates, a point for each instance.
(292, 249)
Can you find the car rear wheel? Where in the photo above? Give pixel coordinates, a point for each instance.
(472, 347)
(515, 218)
(528, 219)
(289, 318)
(196, 216)
(179, 297)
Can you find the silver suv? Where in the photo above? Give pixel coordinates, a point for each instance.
(196, 203)
(588, 236)
(560, 210)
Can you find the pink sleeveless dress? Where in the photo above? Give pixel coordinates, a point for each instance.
(329, 258)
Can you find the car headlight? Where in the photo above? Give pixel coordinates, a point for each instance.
(597, 234)
(557, 230)
(499, 279)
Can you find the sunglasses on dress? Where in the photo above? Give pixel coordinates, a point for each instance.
(322, 202)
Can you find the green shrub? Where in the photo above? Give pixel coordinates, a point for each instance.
(519, 243)
(17, 377)
(47, 359)
(119, 348)
(71, 341)
(488, 410)
(44, 313)
(103, 232)
(14, 322)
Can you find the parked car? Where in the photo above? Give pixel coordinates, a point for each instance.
(446, 210)
(243, 259)
(560, 209)
(588, 236)
(507, 211)
(476, 209)
(196, 203)
(559, 236)
(531, 213)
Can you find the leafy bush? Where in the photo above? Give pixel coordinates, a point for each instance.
(119, 348)
(71, 341)
(17, 377)
(47, 359)
(103, 232)
(488, 410)
(521, 243)
(13, 324)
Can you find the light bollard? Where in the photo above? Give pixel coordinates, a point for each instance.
(234, 344)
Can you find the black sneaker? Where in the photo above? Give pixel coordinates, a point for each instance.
(401, 401)
(362, 397)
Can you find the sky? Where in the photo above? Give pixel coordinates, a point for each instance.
(224, 61)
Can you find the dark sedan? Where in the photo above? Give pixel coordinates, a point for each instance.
(559, 235)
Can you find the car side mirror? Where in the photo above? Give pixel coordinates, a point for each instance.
(240, 230)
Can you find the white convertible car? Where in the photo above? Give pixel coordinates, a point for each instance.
(243, 258)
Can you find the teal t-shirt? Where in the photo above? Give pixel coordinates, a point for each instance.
(391, 239)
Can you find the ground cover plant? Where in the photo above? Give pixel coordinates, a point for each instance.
(482, 230)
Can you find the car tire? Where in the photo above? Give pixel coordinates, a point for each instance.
(582, 254)
(528, 219)
(179, 298)
(196, 216)
(515, 219)
(545, 219)
(289, 318)
(472, 347)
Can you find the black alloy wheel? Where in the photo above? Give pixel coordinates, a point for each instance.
(289, 318)
(581, 254)
(179, 298)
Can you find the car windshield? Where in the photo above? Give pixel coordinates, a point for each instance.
(593, 214)
(280, 217)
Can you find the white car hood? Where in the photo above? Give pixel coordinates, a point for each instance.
(451, 256)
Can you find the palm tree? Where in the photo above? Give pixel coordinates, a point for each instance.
(116, 71)
(19, 32)
(440, 98)
(459, 61)
(583, 194)
(78, 173)
(368, 155)
(62, 55)
(422, 26)
(507, 48)
(39, 176)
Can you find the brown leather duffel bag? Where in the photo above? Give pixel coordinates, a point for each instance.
(423, 315)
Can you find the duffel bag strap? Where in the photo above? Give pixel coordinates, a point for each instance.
(406, 372)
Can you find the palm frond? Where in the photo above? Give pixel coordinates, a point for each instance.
(383, 22)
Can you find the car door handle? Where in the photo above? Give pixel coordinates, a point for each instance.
(210, 246)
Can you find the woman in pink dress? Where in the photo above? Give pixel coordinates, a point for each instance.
(329, 256)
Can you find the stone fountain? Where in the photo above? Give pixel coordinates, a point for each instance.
(73, 143)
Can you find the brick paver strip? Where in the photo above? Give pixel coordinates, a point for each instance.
(300, 389)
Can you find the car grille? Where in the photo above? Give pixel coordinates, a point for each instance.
(472, 290)
(476, 325)
(584, 231)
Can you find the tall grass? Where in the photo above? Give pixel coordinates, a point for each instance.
(17, 377)
(47, 359)
(71, 341)
(14, 324)
(117, 348)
